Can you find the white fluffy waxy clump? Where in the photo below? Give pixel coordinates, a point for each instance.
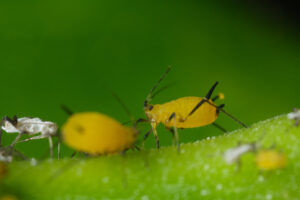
(295, 115)
(233, 155)
(30, 126)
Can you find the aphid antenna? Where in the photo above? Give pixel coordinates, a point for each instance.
(125, 108)
(67, 110)
(161, 89)
(150, 95)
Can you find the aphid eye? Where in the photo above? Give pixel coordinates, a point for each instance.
(150, 107)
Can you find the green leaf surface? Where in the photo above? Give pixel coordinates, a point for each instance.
(198, 172)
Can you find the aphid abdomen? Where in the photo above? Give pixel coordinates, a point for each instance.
(204, 115)
(95, 133)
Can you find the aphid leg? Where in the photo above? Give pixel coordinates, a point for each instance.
(74, 154)
(141, 120)
(14, 152)
(136, 147)
(173, 134)
(16, 139)
(58, 148)
(33, 138)
(1, 131)
(50, 146)
(153, 125)
(145, 137)
(124, 172)
(219, 127)
(173, 116)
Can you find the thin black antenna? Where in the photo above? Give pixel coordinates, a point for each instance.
(123, 105)
(66, 109)
(161, 89)
(149, 96)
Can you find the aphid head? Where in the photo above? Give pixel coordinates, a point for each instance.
(147, 109)
(9, 125)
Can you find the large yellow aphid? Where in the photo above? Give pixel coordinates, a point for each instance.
(95, 133)
(185, 112)
(267, 160)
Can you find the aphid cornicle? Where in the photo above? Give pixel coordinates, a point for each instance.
(29, 126)
(97, 134)
(185, 112)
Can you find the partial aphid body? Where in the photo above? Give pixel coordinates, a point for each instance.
(30, 126)
(97, 134)
(185, 112)
(233, 155)
(204, 115)
(270, 159)
(295, 115)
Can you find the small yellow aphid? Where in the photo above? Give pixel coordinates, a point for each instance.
(267, 160)
(95, 133)
(185, 112)
(2, 170)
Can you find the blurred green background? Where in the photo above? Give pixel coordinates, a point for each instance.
(63, 51)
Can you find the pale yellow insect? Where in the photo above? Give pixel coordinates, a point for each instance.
(267, 160)
(185, 112)
(95, 133)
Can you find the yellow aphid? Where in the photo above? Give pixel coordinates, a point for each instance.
(2, 170)
(206, 114)
(185, 112)
(97, 134)
(267, 160)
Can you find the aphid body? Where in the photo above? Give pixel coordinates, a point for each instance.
(204, 115)
(185, 112)
(267, 160)
(95, 133)
(30, 126)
